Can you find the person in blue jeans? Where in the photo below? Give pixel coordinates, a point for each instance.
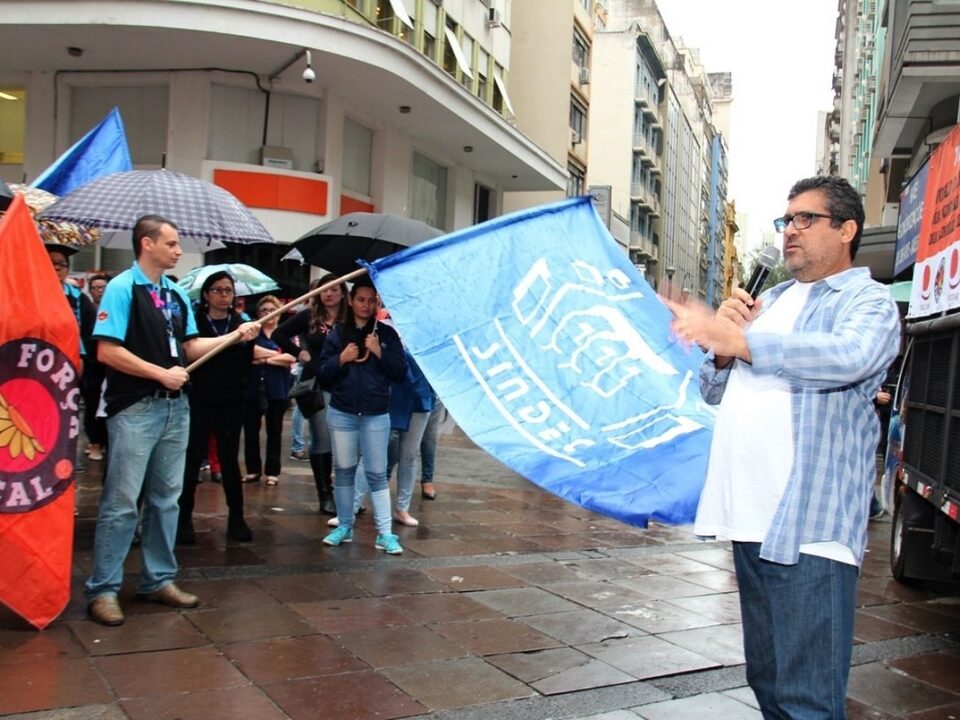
(145, 336)
(410, 404)
(428, 449)
(360, 360)
(793, 453)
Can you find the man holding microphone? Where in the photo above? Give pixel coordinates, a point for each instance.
(792, 462)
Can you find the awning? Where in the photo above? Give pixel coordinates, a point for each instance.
(503, 91)
(401, 12)
(457, 51)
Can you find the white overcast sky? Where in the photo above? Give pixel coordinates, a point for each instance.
(781, 55)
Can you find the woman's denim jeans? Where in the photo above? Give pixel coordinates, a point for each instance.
(351, 435)
(404, 452)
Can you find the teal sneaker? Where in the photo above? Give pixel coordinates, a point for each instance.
(389, 544)
(339, 535)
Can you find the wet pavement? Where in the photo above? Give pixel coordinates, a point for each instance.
(507, 603)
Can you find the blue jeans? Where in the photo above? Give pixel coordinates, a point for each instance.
(404, 449)
(351, 435)
(296, 430)
(147, 451)
(428, 446)
(797, 632)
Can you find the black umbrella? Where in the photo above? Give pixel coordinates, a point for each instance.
(337, 245)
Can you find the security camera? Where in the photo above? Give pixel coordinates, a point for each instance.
(308, 74)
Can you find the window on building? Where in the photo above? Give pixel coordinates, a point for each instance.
(585, 4)
(482, 203)
(467, 46)
(357, 152)
(449, 57)
(13, 122)
(578, 119)
(428, 192)
(430, 30)
(144, 113)
(581, 50)
(360, 5)
(576, 182)
(482, 60)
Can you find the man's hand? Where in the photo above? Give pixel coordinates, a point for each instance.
(372, 343)
(173, 378)
(248, 330)
(721, 331)
(883, 397)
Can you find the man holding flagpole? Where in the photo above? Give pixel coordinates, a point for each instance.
(146, 334)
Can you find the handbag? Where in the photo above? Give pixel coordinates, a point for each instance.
(308, 396)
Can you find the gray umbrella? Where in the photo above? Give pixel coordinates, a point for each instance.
(338, 244)
(201, 210)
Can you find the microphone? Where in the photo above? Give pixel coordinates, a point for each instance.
(765, 263)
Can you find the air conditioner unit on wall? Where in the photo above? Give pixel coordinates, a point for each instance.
(584, 76)
(493, 17)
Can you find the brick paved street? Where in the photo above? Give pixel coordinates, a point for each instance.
(507, 603)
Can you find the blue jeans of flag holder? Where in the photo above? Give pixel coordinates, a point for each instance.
(797, 632)
(351, 435)
(147, 450)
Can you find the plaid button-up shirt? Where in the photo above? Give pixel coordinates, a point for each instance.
(834, 360)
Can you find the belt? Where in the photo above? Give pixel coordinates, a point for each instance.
(166, 394)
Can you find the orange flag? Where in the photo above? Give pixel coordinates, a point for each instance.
(39, 391)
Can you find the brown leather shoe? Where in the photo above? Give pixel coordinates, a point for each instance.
(171, 595)
(106, 610)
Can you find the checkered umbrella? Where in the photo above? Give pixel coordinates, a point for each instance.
(200, 209)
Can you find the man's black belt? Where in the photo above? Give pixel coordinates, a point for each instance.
(166, 394)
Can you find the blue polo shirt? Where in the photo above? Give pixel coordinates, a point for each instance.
(144, 318)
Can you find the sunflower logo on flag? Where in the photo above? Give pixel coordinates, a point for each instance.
(15, 433)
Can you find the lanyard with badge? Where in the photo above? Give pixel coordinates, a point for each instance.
(165, 307)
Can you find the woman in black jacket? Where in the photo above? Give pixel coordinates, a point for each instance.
(360, 360)
(312, 326)
(217, 397)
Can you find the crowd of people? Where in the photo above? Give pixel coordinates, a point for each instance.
(154, 426)
(795, 373)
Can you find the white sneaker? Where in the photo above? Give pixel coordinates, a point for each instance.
(94, 452)
(334, 522)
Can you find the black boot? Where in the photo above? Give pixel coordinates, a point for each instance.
(186, 535)
(322, 466)
(238, 529)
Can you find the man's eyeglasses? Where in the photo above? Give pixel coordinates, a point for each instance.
(266, 309)
(221, 291)
(800, 220)
(60, 264)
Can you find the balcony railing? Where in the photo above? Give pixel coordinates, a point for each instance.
(644, 246)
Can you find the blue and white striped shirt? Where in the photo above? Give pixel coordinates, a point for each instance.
(834, 360)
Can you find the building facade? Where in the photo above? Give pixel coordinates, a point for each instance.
(551, 80)
(898, 95)
(405, 107)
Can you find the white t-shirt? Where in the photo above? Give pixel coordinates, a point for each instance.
(747, 479)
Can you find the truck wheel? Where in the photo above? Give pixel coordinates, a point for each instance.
(909, 511)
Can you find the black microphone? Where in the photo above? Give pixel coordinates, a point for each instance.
(765, 263)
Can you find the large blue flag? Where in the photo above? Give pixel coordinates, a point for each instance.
(101, 151)
(554, 355)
